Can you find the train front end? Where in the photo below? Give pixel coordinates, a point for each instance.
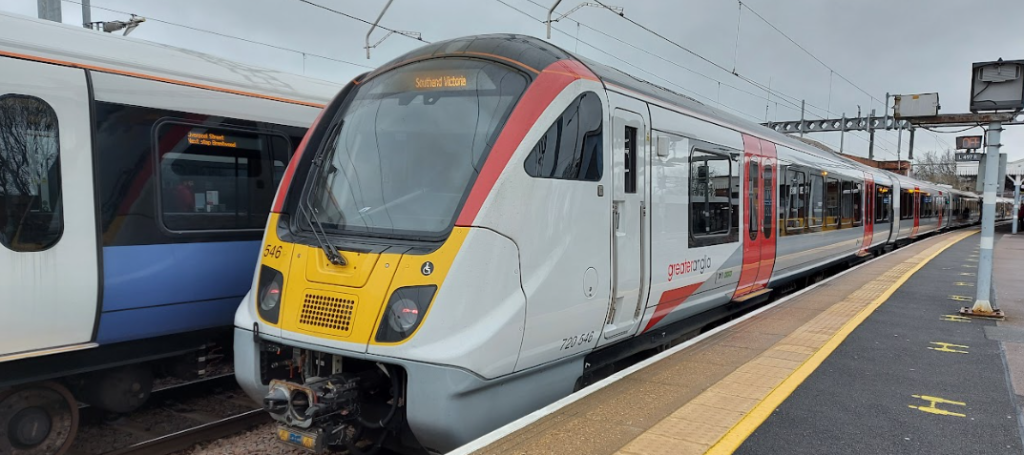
(379, 312)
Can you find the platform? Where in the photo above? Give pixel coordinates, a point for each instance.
(875, 360)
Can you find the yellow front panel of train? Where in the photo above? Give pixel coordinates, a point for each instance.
(337, 302)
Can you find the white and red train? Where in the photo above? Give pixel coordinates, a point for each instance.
(475, 226)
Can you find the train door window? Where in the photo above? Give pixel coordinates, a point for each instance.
(752, 172)
(832, 203)
(767, 177)
(215, 178)
(883, 203)
(815, 201)
(31, 212)
(796, 214)
(858, 203)
(711, 199)
(629, 146)
(571, 148)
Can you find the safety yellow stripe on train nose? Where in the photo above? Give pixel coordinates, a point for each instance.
(346, 303)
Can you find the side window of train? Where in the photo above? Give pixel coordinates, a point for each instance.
(796, 197)
(217, 178)
(832, 203)
(713, 204)
(906, 205)
(883, 203)
(815, 202)
(571, 148)
(31, 215)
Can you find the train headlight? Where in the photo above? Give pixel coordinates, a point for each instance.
(268, 296)
(404, 312)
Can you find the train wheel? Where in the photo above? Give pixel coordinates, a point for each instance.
(40, 419)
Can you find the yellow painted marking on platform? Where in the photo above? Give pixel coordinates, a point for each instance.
(955, 318)
(835, 318)
(961, 298)
(947, 347)
(972, 259)
(968, 274)
(932, 401)
(963, 283)
(970, 266)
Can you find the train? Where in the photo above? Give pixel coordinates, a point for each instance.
(135, 184)
(436, 264)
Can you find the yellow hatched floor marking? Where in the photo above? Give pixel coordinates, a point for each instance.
(738, 404)
(955, 318)
(932, 409)
(948, 347)
(961, 298)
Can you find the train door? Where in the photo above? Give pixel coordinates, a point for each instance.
(759, 221)
(629, 224)
(48, 238)
(868, 206)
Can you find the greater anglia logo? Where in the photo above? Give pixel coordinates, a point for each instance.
(682, 268)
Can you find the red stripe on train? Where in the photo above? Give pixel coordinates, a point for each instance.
(555, 78)
(669, 301)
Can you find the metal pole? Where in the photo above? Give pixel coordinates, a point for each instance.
(550, 12)
(982, 303)
(374, 26)
(911, 152)
(1016, 201)
(842, 133)
(49, 10)
(803, 103)
(899, 147)
(86, 14)
(871, 137)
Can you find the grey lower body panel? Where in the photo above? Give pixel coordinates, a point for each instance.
(446, 407)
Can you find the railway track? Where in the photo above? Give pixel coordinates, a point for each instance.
(184, 439)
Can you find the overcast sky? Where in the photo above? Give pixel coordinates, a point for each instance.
(902, 46)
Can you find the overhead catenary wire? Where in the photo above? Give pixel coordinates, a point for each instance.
(325, 8)
(225, 35)
(790, 99)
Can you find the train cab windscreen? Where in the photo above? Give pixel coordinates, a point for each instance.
(409, 144)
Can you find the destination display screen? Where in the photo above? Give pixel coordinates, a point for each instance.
(204, 136)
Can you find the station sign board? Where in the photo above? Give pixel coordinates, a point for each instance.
(968, 142)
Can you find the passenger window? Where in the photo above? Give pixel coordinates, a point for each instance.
(752, 172)
(766, 195)
(906, 205)
(796, 218)
(31, 212)
(832, 202)
(571, 149)
(883, 204)
(217, 179)
(712, 204)
(816, 204)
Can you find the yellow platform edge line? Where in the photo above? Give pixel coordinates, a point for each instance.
(739, 433)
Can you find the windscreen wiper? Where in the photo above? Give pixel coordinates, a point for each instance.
(314, 223)
(318, 230)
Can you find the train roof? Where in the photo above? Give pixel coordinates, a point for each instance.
(35, 39)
